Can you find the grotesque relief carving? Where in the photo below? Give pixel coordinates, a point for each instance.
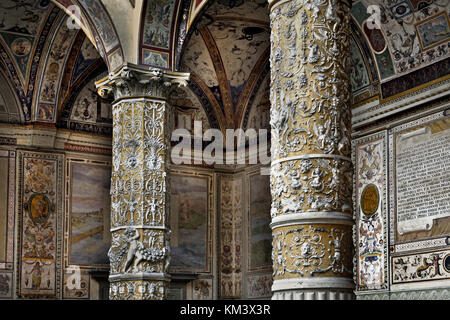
(311, 185)
(311, 173)
(311, 251)
(419, 267)
(134, 290)
(140, 238)
(128, 254)
(311, 114)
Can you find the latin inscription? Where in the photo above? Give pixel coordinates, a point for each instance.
(423, 175)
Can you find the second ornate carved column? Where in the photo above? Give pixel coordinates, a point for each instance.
(140, 249)
(311, 170)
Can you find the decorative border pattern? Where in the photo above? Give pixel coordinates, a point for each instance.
(58, 159)
(230, 235)
(419, 267)
(432, 294)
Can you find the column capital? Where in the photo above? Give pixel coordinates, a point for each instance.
(135, 81)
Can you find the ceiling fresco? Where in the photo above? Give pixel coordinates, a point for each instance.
(227, 53)
(223, 43)
(412, 34)
(24, 29)
(158, 24)
(407, 36)
(50, 81)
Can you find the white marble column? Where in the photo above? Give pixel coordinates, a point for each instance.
(140, 250)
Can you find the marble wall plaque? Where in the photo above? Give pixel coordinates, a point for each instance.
(423, 175)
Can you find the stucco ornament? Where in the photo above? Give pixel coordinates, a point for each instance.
(140, 248)
(311, 171)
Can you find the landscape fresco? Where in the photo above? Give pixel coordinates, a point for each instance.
(434, 31)
(189, 222)
(89, 214)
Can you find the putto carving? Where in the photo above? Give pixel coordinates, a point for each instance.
(311, 250)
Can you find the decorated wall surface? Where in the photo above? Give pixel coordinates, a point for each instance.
(39, 221)
(231, 236)
(370, 159)
(55, 202)
(258, 275)
(402, 236)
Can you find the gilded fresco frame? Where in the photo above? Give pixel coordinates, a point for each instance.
(443, 13)
(211, 217)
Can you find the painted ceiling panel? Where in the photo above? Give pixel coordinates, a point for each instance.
(246, 9)
(229, 49)
(416, 33)
(196, 59)
(20, 25)
(240, 44)
(86, 57)
(53, 68)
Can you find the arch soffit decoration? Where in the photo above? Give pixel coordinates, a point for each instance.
(99, 27)
(10, 107)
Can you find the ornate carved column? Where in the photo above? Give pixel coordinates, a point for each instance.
(140, 252)
(311, 170)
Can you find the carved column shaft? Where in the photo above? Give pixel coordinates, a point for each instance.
(311, 168)
(140, 250)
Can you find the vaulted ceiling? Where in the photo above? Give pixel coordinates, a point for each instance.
(223, 43)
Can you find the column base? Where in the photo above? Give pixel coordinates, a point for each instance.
(323, 288)
(140, 286)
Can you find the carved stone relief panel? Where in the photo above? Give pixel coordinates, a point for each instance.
(370, 158)
(311, 185)
(421, 267)
(312, 251)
